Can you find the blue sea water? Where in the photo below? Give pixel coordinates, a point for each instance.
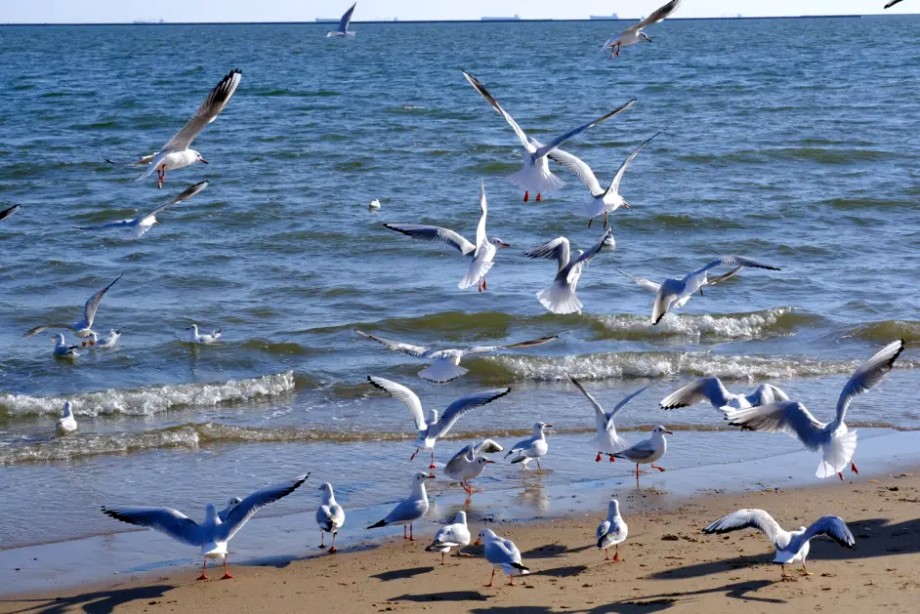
(789, 141)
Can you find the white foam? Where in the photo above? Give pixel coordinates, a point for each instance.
(756, 325)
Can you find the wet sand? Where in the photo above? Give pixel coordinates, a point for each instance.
(668, 564)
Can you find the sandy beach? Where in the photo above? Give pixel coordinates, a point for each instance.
(667, 564)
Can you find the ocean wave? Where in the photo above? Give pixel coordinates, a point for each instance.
(886, 330)
(769, 323)
(150, 400)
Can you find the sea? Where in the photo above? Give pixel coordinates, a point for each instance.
(789, 141)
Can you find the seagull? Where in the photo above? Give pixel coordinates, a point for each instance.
(455, 535)
(535, 176)
(603, 200)
(176, 153)
(606, 441)
(672, 291)
(374, 204)
(560, 297)
(469, 463)
(106, 342)
(67, 424)
(435, 427)
(654, 286)
(8, 212)
(481, 255)
(203, 338)
(503, 554)
(62, 349)
(791, 546)
(634, 34)
(892, 3)
(531, 448)
(410, 510)
(144, 222)
(613, 531)
(214, 533)
(647, 451)
(343, 25)
(84, 327)
(329, 516)
(713, 390)
(445, 365)
(837, 444)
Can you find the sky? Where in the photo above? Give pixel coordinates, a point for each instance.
(106, 11)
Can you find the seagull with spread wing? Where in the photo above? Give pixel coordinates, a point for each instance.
(445, 363)
(560, 297)
(713, 390)
(634, 33)
(142, 223)
(606, 441)
(83, 328)
(653, 286)
(535, 176)
(342, 30)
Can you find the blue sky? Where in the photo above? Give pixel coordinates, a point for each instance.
(70, 11)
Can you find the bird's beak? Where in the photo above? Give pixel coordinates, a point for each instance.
(477, 542)
(490, 462)
(668, 432)
(648, 39)
(203, 161)
(503, 244)
(189, 328)
(430, 476)
(626, 205)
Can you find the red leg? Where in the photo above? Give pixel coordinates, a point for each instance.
(411, 539)
(526, 198)
(539, 197)
(227, 574)
(597, 459)
(404, 533)
(853, 468)
(657, 467)
(431, 466)
(616, 554)
(637, 472)
(204, 568)
(511, 579)
(332, 549)
(489, 585)
(612, 458)
(485, 285)
(606, 552)
(840, 475)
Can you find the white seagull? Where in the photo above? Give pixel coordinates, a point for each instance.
(653, 286)
(8, 212)
(67, 424)
(606, 441)
(106, 342)
(532, 448)
(142, 223)
(329, 516)
(634, 34)
(604, 201)
(673, 291)
(837, 444)
(436, 426)
(560, 297)
(203, 338)
(613, 531)
(83, 327)
(791, 546)
(647, 451)
(535, 176)
(455, 535)
(502, 554)
(214, 533)
(445, 363)
(713, 390)
(343, 30)
(176, 153)
(408, 511)
(481, 255)
(62, 349)
(469, 462)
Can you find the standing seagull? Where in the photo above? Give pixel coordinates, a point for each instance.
(603, 200)
(469, 463)
(67, 424)
(455, 535)
(83, 328)
(329, 516)
(144, 222)
(560, 297)
(8, 212)
(343, 30)
(536, 176)
(713, 390)
(531, 448)
(613, 531)
(482, 255)
(176, 153)
(647, 451)
(445, 365)
(836, 443)
(503, 554)
(634, 34)
(410, 510)
(436, 426)
(606, 441)
(213, 534)
(673, 291)
(791, 546)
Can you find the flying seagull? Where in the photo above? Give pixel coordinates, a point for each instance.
(653, 286)
(343, 30)
(713, 390)
(560, 297)
(145, 221)
(535, 176)
(634, 34)
(83, 328)
(445, 363)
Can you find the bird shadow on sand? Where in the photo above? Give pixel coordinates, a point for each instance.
(402, 574)
(624, 607)
(653, 603)
(443, 596)
(97, 602)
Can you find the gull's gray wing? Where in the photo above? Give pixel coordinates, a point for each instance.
(396, 346)
(601, 418)
(660, 14)
(639, 451)
(639, 281)
(44, 327)
(406, 511)
(213, 104)
(435, 233)
(736, 261)
(704, 389)
(766, 394)
(346, 19)
(833, 527)
(580, 169)
(405, 396)
(185, 195)
(464, 456)
(559, 140)
(585, 257)
(744, 519)
(667, 292)
(711, 281)
(164, 519)
(615, 183)
(479, 87)
(8, 212)
(119, 224)
(629, 397)
(486, 446)
(460, 407)
(868, 375)
(242, 512)
(558, 249)
(790, 417)
(892, 3)
(482, 349)
(92, 305)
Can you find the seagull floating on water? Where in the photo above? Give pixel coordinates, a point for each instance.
(214, 533)
(62, 349)
(502, 554)
(106, 342)
(67, 424)
(469, 463)
(604, 201)
(634, 34)
(647, 451)
(436, 426)
(533, 448)
(445, 365)
(342, 30)
(613, 531)
(836, 442)
(203, 338)
(409, 510)
(83, 328)
(8, 212)
(455, 535)
(329, 516)
(791, 546)
(713, 390)
(606, 441)
(536, 176)
(142, 223)
(560, 297)
(374, 204)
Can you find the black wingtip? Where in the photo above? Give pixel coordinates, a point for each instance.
(378, 524)
(519, 566)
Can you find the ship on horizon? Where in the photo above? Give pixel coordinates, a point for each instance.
(612, 17)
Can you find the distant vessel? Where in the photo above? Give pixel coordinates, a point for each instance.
(515, 18)
(612, 17)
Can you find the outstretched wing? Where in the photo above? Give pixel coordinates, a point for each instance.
(736, 261)
(615, 183)
(559, 140)
(868, 375)
(704, 389)
(458, 408)
(790, 417)
(579, 168)
(833, 527)
(396, 346)
(405, 396)
(483, 349)
(586, 257)
(92, 305)
(346, 19)
(238, 516)
(558, 249)
(213, 104)
(435, 233)
(8, 212)
(164, 519)
(744, 519)
(600, 416)
(640, 281)
(486, 446)
(891, 4)
(659, 15)
(185, 195)
(479, 87)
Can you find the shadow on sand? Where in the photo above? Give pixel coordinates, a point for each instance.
(98, 602)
